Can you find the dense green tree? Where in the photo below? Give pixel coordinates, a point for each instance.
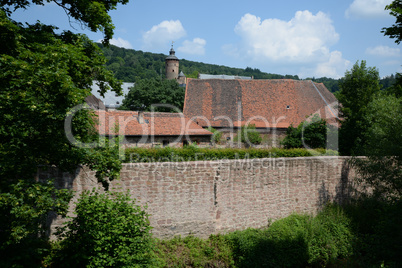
(382, 169)
(147, 92)
(382, 132)
(43, 75)
(357, 89)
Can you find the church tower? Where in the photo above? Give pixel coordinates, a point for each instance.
(172, 65)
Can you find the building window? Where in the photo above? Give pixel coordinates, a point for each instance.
(165, 143)
(287, 107)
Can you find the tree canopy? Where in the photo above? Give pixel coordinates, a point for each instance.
(147, 92)
(43, 75)
(394, 31)
(357, 89)
(132, 65)
(91, 14)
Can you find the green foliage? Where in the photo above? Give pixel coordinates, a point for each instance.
(388, 81)
(310, 134)
(217, 137)
(131, 66)
(376, 225)
(24, 210)
(147, 92)
(330, 83)
(194, 252)
(357, 89)
(395, 31)
(332, 236)
(189, 153)
(108, 231)
(248, 135)
(364, 233)
(43, 75)
(193, 75)
(105, 161)
(295, 241)
(384, 131)
(382, 169)
(91, 14)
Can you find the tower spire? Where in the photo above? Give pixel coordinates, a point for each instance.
(172, 52)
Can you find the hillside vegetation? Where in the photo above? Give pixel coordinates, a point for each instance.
(131, 65)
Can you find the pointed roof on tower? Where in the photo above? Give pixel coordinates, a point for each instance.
(172, 55)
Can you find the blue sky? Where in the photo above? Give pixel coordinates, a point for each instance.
(298, 37)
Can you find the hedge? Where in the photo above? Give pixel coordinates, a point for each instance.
(191, 153)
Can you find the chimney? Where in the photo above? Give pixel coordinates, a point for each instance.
(141, 117)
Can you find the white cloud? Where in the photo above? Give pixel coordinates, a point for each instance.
(194, 47)
(305, 41)
(304, 38)
(119, 42)
(367, 9)
(383, 51)
(335, 67)
(163, 33)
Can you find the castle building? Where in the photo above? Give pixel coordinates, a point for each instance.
(172, 68)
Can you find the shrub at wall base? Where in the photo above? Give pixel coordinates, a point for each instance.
(108, 231)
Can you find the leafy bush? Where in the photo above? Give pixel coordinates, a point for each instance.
(295, 241)
(312, 134)
(108, 231)
(194, 252)
(332, 236)
(378, 234)
(248, 135)
(216, 138)
(23, 215)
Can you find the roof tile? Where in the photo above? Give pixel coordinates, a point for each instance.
(265, 103)
(154, 123)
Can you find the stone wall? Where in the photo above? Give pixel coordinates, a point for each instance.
(202, 198)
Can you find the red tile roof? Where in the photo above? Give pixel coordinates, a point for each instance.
(154, 124)
(265, 103)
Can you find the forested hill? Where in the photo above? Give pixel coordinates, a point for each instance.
(131, 65)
